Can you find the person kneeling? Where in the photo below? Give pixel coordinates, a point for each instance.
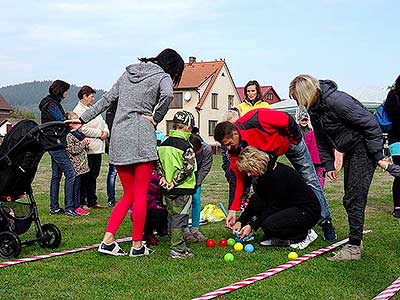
(283, 205)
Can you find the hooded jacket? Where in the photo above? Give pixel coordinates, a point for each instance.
(143, 89)
(392, 107)
(248, 105)
(341, 122)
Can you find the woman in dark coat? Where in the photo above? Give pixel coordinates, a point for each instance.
(343, 123)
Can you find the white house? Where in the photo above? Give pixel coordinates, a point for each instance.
(207, 91)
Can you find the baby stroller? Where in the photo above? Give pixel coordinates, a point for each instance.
(20, 154)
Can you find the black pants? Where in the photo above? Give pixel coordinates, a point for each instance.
(396, 184)
(88, 183)
(290, 224)
(359, 169)
(156, 219)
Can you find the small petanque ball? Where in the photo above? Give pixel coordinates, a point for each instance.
(249, 248)
(229, 257)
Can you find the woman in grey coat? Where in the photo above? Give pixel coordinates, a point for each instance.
(144, 92)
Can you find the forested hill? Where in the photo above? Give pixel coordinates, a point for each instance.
(28, 95)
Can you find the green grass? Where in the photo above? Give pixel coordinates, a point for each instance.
(88, 275)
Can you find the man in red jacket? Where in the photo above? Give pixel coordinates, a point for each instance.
(276, 133)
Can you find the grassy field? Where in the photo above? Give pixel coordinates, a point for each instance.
(88, 275)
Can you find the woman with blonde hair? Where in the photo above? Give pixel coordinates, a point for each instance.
(341, 122)
(283, 205)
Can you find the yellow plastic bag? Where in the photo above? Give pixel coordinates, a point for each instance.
(211, 213)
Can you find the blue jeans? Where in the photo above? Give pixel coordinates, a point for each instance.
(300, 158)
(77, 191)
(60, 163)
(111, 176)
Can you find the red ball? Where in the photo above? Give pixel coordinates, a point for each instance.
(210, 243)
(223, 242)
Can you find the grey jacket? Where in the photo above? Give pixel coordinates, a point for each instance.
(143, 89)
(204, 163)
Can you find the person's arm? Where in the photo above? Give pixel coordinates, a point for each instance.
(392, 106)
(166, 96)
(100, 106)
(239, 187)
(206, 165)
(91, 131)
(189, 164)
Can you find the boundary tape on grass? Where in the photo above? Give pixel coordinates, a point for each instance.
(271, 272)
(50, 255)
(390, 291)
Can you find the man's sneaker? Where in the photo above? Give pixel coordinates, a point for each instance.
(198, 235)
(111, 249)
(181, 255)
(189, 237)
(70, 213)
(274, 242)
(58, 211)
(329, 231)
(80, 211)
(141, 251)
(311, 237)
(348, 252)
(396, 213)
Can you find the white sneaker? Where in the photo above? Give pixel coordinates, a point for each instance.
(311, 237)
(111, 249)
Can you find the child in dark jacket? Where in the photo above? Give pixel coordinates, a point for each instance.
(176, 167)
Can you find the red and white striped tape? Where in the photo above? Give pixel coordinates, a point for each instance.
(390, 291)
(271, 272)
(44, 256)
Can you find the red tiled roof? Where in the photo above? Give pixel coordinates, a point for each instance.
(264, 90)
(195, 74)
(4, 105)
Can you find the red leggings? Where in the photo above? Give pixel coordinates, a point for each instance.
(135, 181)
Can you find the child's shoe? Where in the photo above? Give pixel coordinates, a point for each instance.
(141, 251)
(396, 213)
(150, 239)
(181, 255)
(188, 236)
(80, 211)
(348, 252)
(111, 249)
(198, 235)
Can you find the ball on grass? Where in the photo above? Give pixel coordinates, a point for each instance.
(292, 255)
(231, 242)
(238, 246)
(229, 257)
(249, 248)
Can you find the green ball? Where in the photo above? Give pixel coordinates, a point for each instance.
(229, 257)
(231, 242)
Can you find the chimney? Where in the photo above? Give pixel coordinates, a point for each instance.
(192, 59)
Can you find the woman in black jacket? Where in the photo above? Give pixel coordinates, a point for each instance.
(392, 107)
(343, 123)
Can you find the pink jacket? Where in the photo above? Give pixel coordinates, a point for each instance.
(312, 147)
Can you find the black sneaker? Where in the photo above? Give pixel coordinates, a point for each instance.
(111, 203)
(141, 251)
(70, 213)
(396, 213)
(329, 231)
(111, 249)
(58, 211)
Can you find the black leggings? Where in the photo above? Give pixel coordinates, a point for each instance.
(396, 184)
(290, 224)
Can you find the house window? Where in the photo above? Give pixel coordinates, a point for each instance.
(177, 102)
(214, 101)
(169, 126)
(269, 96)
(230, 101)
(211, 127)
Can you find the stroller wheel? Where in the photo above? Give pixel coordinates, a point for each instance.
(51, 236)
(10, 244)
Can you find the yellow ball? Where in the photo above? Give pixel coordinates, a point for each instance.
(238, 246)
(292, 255)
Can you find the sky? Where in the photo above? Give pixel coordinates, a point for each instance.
(355, 43)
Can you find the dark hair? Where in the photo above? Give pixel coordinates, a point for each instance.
(170, 61)
(58, 88)
(397, 86)
(196, 141)
(258, 88)
(85, 90)
(195, 130)
(223, 130)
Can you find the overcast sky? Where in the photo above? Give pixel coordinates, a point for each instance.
(355, 43)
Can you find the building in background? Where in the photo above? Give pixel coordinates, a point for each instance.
(207, 90)
(5, 109)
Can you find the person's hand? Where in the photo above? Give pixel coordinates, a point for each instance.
(332, 175)
(246, 230)
(383, 163)
(104, 135)
(230, 219)
(236, 227)
(150, 118)
(163, 182)
(74, 124)
(170, 186)
(85, 142)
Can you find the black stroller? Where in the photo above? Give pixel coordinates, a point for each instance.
(20, 154)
